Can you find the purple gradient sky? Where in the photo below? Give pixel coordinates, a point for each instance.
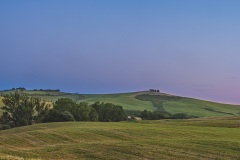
(189, 48)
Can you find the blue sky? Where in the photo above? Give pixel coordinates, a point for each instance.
(189, 48)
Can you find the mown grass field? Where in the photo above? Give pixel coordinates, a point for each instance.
(130, 102)
(205, 138)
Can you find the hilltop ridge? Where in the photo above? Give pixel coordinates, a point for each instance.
(131, 101)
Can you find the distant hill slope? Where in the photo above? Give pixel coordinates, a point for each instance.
(127, 100)
(145, 100)
(205, 138)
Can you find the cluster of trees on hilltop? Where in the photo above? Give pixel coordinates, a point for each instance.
(18, 88)
(47, 90)
(154, 90)
(21, 110)
(23, 89)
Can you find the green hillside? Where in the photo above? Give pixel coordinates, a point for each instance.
(176, 104)
(146, 100)
(127, 100)
(201, 108)
(205, 138)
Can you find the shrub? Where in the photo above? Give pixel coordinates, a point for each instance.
(68, 116)
(53, 116)
(180, 116)
(6, 126)
(57, 116)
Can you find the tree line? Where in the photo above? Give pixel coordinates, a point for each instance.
(23, 89)
(154, 90)
(159, 114)
(20, 110)
(47, 90)
(19, 88)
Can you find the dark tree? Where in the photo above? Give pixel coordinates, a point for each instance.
(41, 108)
(81, 112)
(108, 112)
(65, 104)
(68, 116)
(180, 116)
(147, 115)
(93, 115)
(20, 109)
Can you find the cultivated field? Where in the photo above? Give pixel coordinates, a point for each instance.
(205, 138)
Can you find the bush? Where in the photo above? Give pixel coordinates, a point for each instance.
(53, 116)
(132, 113)
(109, 112)
(68, 116)
(93, 115)
(23, 122)
(180, 116)
(57, 116)
(6, 126)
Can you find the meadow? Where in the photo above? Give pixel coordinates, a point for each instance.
(201, 138)
(127, 100)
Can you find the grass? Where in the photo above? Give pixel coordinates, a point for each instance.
(205, 138)
(49, 95)
(147, 100)
(201, 108)
(127, 100)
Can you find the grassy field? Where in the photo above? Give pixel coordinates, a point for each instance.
(201, 108)
(49, 95)
(205, 138)
(129, 101)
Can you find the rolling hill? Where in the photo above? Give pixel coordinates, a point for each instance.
(146, 100)
(215, 135)
(201, 138)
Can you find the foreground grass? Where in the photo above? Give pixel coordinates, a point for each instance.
(209, 138)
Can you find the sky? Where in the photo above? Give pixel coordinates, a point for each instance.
(187, 48)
